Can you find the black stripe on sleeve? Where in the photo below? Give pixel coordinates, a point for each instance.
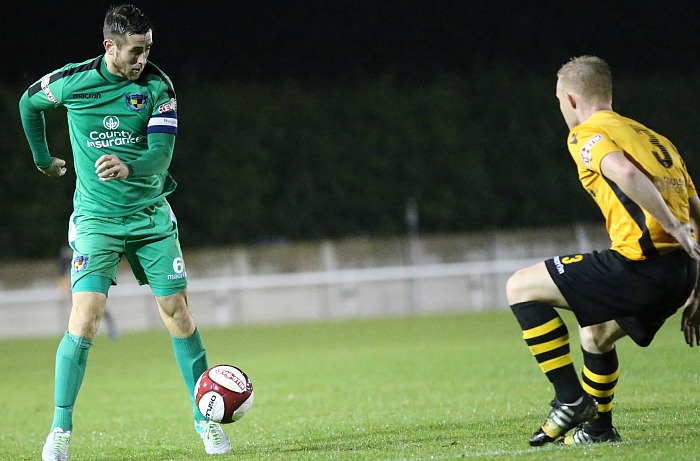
(91, 65)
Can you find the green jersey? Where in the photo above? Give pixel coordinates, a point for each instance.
(108, 114)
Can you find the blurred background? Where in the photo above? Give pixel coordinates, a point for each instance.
(306, 122)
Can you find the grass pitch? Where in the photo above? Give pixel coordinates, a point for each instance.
(421, 388)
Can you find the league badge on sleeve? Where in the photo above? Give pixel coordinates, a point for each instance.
(586, 149)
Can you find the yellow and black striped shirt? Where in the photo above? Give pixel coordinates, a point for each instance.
(633, 232)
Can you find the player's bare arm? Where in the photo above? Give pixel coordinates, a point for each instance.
(690, 319)
(57, 168)
(616, 167)
(110, 167)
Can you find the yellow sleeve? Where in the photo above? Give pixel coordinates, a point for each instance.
(593, 144)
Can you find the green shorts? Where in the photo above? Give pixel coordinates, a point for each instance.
(148, 239)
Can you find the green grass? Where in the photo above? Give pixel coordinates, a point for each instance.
(421, 388)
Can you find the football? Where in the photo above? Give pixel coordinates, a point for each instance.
(224, 394)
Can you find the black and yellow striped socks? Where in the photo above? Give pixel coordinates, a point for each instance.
(546, 335)
(599, 376)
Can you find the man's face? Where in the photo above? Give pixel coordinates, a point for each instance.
(130, 58)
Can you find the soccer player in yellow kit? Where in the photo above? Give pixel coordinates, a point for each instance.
(652, 211)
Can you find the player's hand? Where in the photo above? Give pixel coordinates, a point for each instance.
(109, 167)
(690, 321)
(57, 168)
(684, 235)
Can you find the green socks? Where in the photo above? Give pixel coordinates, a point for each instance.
(71, 360)
(191, 358)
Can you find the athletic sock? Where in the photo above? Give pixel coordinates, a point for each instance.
(71, 360)
(600, 375)
(546, 335)
(191, 359)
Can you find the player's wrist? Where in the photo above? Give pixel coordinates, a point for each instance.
(42, 167)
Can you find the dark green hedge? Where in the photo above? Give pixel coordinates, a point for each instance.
(270, 161)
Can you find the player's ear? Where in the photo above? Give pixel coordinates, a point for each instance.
(109, 45)
(571, 99)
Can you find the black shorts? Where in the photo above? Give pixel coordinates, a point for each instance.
(639, 295)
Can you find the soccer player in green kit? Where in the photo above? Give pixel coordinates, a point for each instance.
(122, 119)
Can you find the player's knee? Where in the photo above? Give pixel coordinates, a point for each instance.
(176, 314)
(173, 305)
(86, 313)
(599, 339)
(516, 288)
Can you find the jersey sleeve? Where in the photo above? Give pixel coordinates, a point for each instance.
(43, 95)
(161, 130)
(164, 116)
(591, 146)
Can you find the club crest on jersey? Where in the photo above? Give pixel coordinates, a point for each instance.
(80, 263)
(136, 101)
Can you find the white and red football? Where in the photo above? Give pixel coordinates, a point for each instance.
(224, 394)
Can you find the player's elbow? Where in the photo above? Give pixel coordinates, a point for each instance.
(617, 168)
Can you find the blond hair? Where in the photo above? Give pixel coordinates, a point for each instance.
(589, 77)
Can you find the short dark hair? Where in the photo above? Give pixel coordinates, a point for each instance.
(125, 19)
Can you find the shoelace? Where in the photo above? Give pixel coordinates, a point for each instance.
(60, 442)
(212, 432)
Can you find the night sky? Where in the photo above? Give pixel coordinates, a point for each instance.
(330, 41)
